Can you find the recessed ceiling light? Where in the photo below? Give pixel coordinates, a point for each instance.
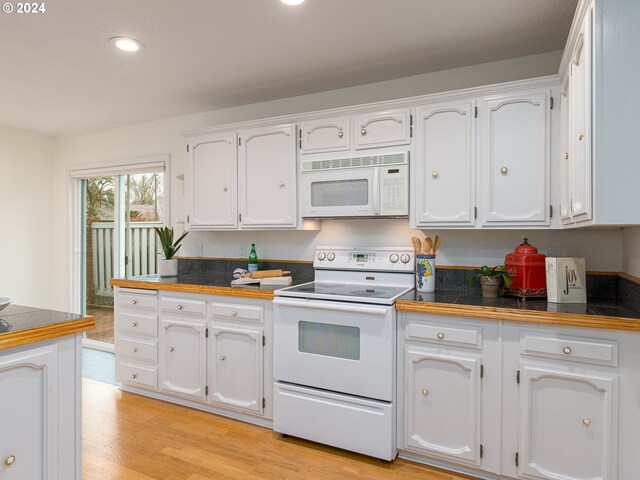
(292, 2)
(127, 44)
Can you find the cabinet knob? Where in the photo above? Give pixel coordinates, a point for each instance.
(134, 350)
(281, 184)
(10, 460)
(440, 336)
(179, 307)
(171, 349)
(586, 422)
(434, 174)
(222, 357)
(234, 313)
(425, 392)
(340, 134)
(567, 350)
(134, 301)
(581, 136)
(363, 131)
(134, 376)
(504, 170)
(134, 324)
(224, 188)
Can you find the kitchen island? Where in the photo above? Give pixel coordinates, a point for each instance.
(40, 393)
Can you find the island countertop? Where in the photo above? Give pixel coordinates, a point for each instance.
(21, 325)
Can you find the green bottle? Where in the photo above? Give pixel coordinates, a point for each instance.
(253, 259)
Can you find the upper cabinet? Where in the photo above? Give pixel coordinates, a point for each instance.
(326, 135)
(383, 129)
(515, 150)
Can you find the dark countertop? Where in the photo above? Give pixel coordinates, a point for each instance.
(20, 325)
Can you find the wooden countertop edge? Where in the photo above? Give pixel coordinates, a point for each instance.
(510, 314)
(45, 332)
(203, 289)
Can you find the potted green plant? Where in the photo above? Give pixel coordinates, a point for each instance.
(168, 266)
(490, 278)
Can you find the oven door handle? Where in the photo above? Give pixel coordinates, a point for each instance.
(350, 308)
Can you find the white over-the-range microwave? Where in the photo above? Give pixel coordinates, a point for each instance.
(366, 186)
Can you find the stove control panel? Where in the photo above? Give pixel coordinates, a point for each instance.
(379, 259)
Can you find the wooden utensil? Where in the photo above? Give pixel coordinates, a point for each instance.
(428, 245)
(266, 274)
(417, 245)
(436, 244)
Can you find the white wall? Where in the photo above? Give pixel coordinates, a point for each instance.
(631, 251)
(165, 137)
(26, 163)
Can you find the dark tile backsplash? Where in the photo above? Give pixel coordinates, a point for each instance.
(223, 269)
(629, 293)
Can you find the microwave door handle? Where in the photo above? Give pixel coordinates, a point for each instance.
(376, 191)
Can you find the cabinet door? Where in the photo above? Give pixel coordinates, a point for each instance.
(235, 367)
(382, 129)
(327, 135)
(183, 359)
(444, 165)
(268, 177)
(515, 159)
(28, 435)
(442, 404)
(210, 183)
(580, 136)
(560, 408)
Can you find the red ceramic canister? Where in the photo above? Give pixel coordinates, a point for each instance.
(528, 268)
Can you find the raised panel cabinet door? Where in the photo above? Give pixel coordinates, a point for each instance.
(444, 164)
(442, 404)
(580, 137)
(236, 367)
(183, 356)
(211, 183)
(383, 129)
(268, 177)
(561, 408)
(326, 135)
(28, 405)
(515, 159)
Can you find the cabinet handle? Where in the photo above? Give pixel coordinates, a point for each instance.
(567, 350)
(134, 301)
(504, 170)
(566, 156)
(234, 314)
(363, 131)
(134, 324)
(134, 350)
(440, 336)
(171, 349)
(586, 422)
(134, 376)
(179, 307)
(224, 188)
(10, 460)
(222, 357)
(340, 134)
(281, 184)
(434, 174)
(425, 392)
(581, 136)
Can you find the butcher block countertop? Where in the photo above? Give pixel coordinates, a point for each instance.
(20, 325)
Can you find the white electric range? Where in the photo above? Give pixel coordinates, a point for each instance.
(334, 349)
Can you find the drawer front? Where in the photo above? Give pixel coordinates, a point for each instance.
(584, 350)
(137, 375)
(138, 323)
(183, 305)
(137, 349)
(142, 301)
(237, 312)
(460, 336)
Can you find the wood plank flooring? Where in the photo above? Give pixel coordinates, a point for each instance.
(129, 437)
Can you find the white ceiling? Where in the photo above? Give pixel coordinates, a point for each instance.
(59, 74)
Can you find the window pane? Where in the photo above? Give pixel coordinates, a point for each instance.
(329, 340)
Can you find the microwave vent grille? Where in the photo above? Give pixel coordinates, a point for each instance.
(353, 162)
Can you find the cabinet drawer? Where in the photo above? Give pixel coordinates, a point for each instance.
(137, 349)
(584, 350)
(145, 301)
(461, 336)
(138, 323)
(137, 375)
(236, 312)
(183, 305)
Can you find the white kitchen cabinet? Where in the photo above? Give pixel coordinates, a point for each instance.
(326, 135)
(235, 364)
(183, 356)
(566, 423)
(383, 129)
(268, 176)
(444, 188)
(442, 404)
(515, 159)
(211, 183)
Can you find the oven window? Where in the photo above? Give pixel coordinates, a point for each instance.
(329, 340)
(340, 193)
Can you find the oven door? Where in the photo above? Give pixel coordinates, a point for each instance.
(342, 347)
(340, 193)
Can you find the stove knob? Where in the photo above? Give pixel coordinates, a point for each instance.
(331, 256)
(322, 256)
(405, 258)
(393, 258)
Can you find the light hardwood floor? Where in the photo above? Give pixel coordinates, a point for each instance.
(129, 437)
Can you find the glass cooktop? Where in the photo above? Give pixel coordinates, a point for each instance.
(353, 291)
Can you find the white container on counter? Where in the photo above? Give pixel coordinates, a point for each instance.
(566, 280)
(426, 273)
